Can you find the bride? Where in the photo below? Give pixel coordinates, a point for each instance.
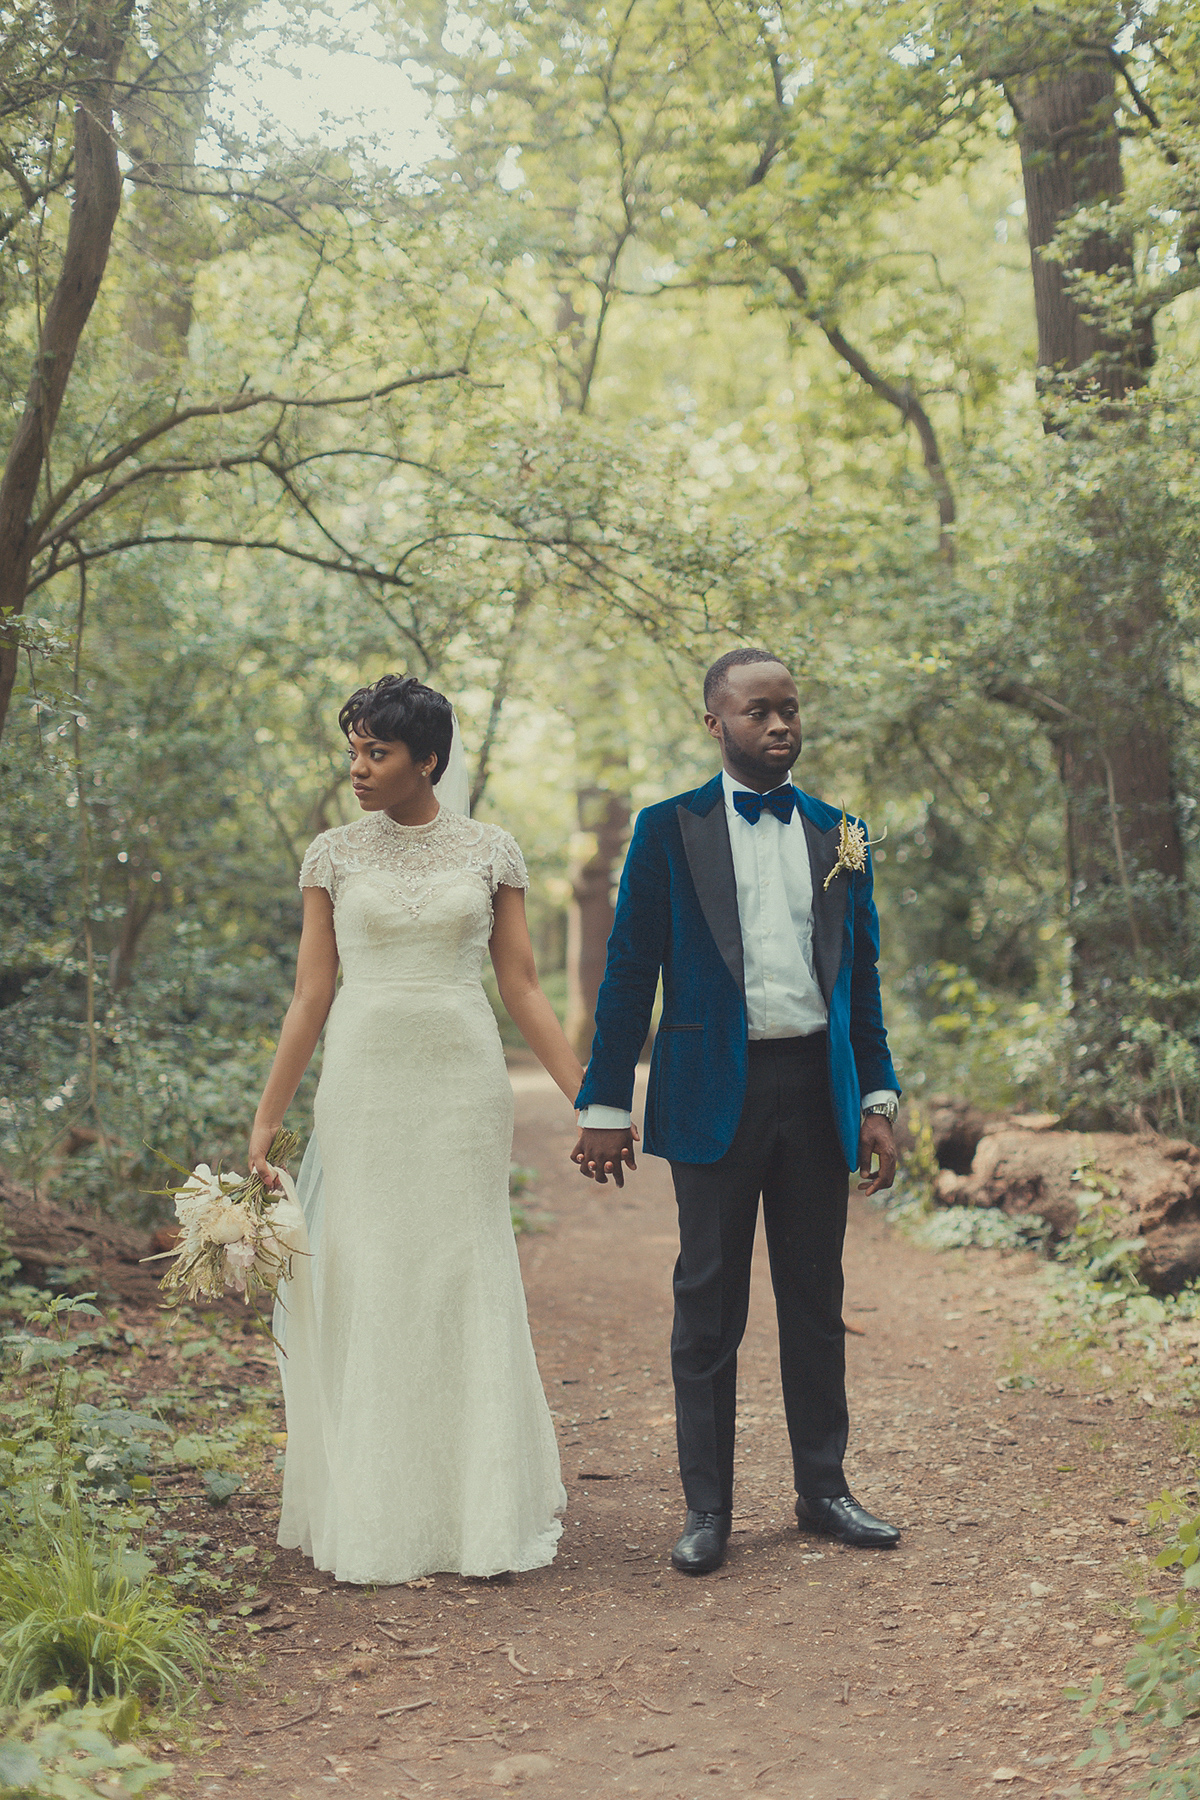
(419, 1438)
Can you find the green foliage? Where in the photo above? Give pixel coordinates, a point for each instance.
(59, 1451)
(1096, 1247)
(662, 448)
(1171, 1777)
(920, 1164)
(958, 1227)
(78, 1607)
(1163, 1676)
(909, 1204)
(955, 1034)
(81, 1613)
(1107, 1740)
(955, 1227)
(1156, 1072)
(51, 1749)
(197, 1566)
(62, 1454)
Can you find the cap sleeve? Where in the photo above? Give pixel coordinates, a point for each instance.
(317, 868)
(508, 865)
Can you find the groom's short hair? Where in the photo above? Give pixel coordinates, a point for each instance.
(714, 681)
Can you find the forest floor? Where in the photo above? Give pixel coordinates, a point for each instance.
(801, 1669)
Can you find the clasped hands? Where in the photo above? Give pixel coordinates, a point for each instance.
(600, 1154)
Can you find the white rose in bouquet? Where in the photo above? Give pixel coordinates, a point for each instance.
(229, 1224)
(200, 1194)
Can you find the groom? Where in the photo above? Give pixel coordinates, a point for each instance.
(770, 1077)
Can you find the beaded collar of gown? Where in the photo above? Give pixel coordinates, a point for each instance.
(392, 828)
(441, 843)
(450, 843)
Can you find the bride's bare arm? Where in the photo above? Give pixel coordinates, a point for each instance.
(520, 990)
(316, 981)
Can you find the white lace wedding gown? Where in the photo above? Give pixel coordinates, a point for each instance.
(419, 1438)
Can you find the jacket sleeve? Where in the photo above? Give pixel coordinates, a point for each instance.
(868, 1036)
(636, 947)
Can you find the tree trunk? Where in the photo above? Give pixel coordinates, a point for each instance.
(505, 671)
(94, 209)
(1121, 826)
(140, 906)
(1071, 157)
(167, 229)
(1110, 711)
(604, 807)
(604, 821)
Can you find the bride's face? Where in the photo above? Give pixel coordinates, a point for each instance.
(384, 776)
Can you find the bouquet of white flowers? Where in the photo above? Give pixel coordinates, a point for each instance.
(236, 1234)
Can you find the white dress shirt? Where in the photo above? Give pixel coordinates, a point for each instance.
(774, 895)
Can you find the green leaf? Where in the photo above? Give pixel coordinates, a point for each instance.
(19, 1766)
(219, 1485)
(135, 1566)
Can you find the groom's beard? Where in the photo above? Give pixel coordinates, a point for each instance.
(756, 771)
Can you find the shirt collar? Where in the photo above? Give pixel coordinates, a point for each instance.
(732, 787)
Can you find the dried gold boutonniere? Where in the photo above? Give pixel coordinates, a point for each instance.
(853, 844)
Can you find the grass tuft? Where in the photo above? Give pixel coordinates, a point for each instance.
(78, 1614)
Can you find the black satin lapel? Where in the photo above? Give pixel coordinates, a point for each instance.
(710, 860)
(828, 906)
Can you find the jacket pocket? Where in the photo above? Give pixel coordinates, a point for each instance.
(681, 1028)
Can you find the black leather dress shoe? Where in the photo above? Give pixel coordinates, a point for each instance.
(702, 1546)
(844, 1519)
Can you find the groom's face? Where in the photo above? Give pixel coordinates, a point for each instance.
(756, 721)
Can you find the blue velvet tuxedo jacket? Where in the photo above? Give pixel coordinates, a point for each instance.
(677, 912)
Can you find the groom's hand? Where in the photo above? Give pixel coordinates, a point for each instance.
(875, 1139)
(604, 1153)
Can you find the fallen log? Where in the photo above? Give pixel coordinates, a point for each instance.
(1151, 1184)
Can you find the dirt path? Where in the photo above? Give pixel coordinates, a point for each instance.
(800, 1669)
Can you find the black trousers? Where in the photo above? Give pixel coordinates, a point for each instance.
(787, 1150)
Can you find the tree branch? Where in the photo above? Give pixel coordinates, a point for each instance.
(352, 565)
(504, 674)
(231, 407)
(1120, 63)
(32, 197)
(903, 398)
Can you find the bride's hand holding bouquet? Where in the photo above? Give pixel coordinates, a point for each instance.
(238, 1233)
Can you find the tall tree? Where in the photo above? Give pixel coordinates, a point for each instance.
(1109, 697)
(76, 73)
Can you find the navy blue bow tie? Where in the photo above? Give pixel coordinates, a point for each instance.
(781, 801)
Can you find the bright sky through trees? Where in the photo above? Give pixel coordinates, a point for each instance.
(344, 87)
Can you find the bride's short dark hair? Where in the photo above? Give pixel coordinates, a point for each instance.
(401, 709)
